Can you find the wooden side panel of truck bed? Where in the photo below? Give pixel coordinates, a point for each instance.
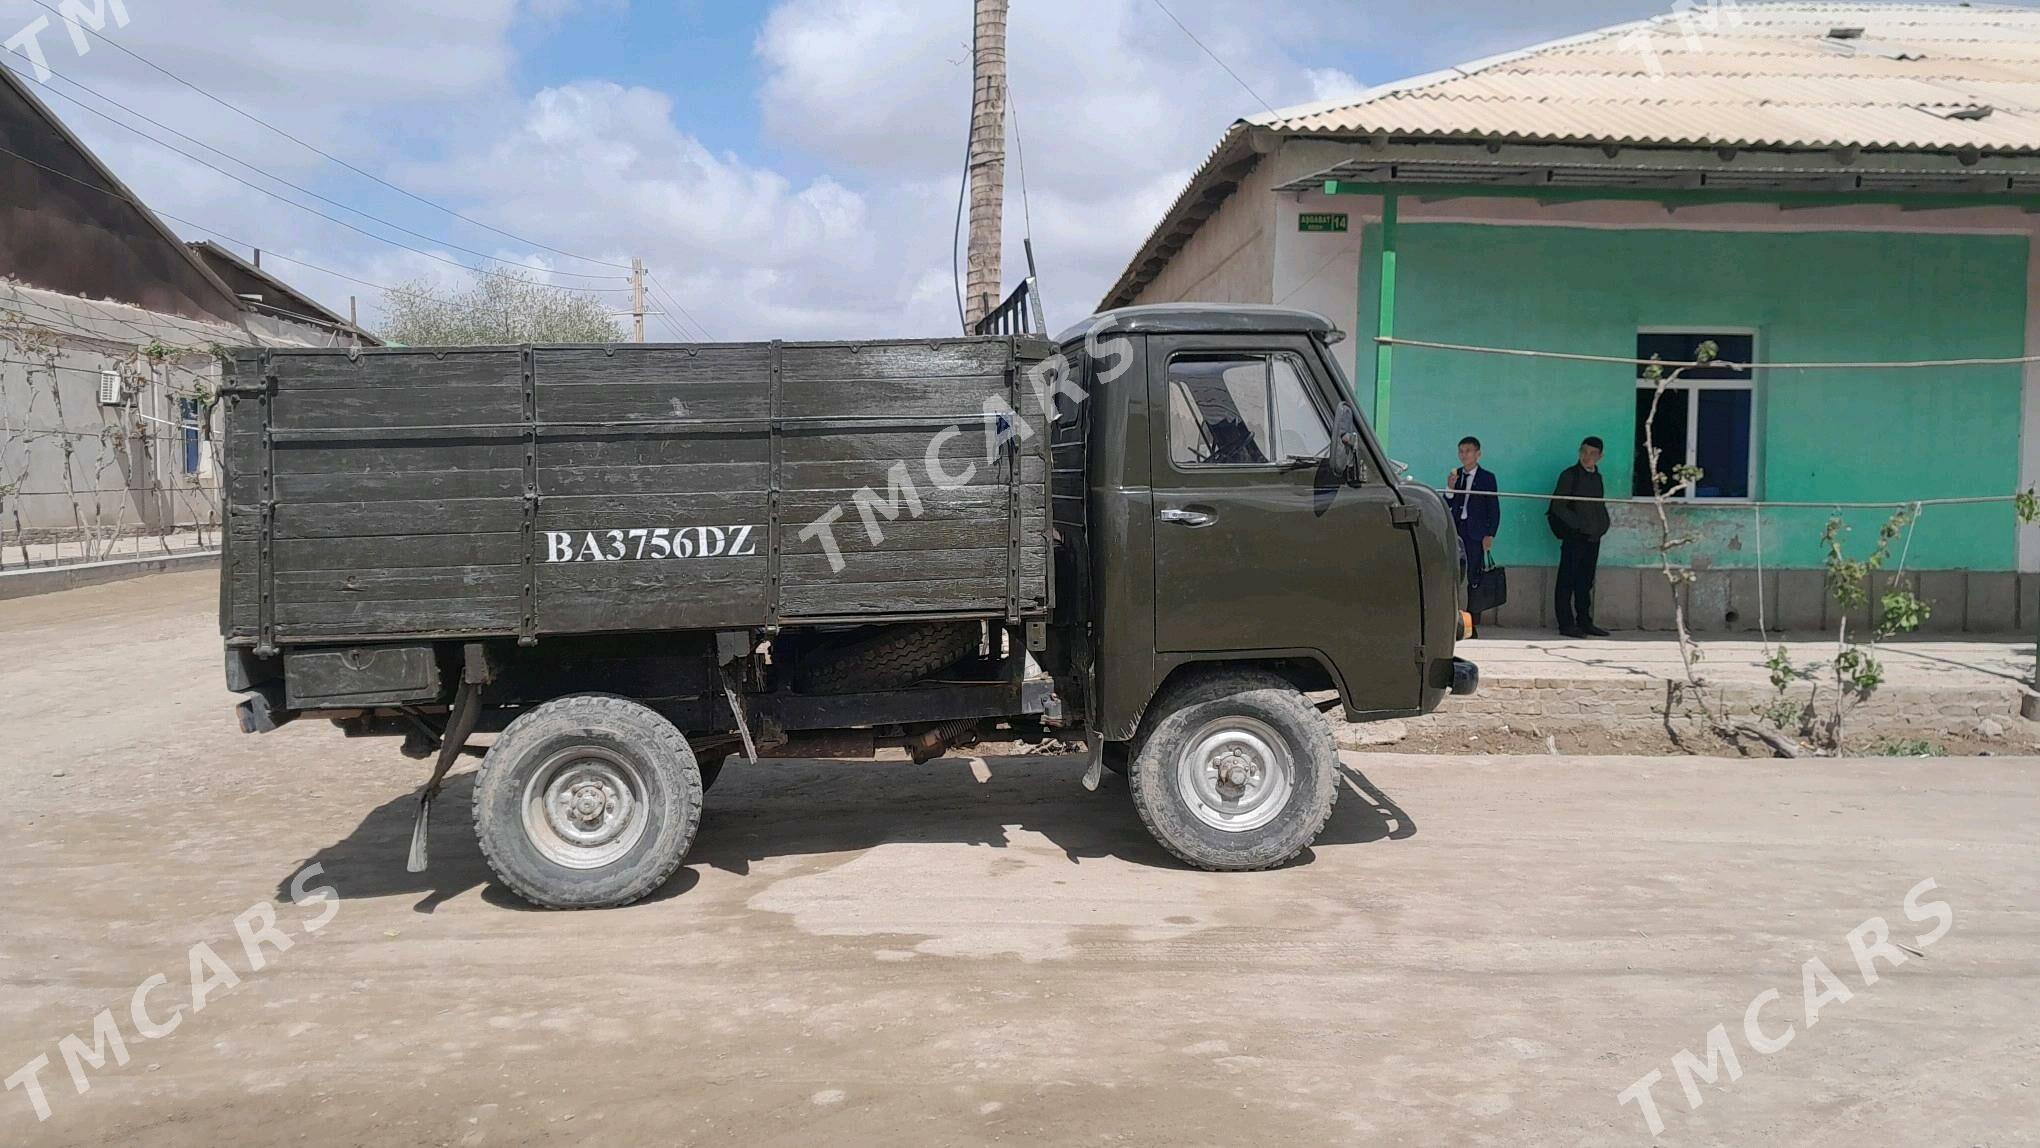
(526, 491)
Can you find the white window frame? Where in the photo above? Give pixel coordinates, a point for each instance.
(1695, 386)
(190, 429)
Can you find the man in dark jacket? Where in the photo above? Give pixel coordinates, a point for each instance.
(1477, 519)
(1579, 525)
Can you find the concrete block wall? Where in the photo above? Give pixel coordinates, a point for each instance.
(1659, 601)
(1529, 604)
(1618, 601)
(1992, 605)
(1801, 601)
(1726, 601)
(1558, 702)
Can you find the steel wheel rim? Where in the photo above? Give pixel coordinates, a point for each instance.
(585, 807)
(1236, 774)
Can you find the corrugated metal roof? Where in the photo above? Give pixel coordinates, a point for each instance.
(1748, 76)
(1735, 76)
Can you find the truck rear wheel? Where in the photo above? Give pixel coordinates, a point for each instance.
(587, 802)
(1235, 770)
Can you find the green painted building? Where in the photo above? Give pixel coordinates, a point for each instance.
(1821, 191)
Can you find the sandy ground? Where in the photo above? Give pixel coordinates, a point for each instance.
(1480, 951)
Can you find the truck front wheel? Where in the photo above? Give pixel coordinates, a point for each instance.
(1235, 770)
(587, 802)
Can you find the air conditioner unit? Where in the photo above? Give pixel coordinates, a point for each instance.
(111, 390)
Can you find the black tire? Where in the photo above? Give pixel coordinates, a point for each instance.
(603, 745)
(1240, 717)
(895, 656)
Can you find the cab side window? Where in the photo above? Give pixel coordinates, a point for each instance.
(1242, 410)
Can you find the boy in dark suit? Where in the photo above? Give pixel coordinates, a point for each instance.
(1579, 525)
(1476, 518)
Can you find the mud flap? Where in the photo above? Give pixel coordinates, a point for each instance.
(460, 723)
(1094, 745)
(736, 700)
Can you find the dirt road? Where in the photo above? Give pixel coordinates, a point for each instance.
(1481, 951)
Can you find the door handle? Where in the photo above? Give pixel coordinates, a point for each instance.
(1188, 517)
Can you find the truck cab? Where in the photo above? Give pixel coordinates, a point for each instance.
(1241, 547)
(1241, 512)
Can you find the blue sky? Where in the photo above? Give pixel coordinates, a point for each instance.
(788, 169)
(697, 52)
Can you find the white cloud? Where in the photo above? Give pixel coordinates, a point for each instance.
(1113, 104)
(865, 99)
(1332, 84)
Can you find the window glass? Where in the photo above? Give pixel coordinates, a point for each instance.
(1300, 429)
(1668, 432)
(1722, 445)
(1684, 347)
(1218, 410)
(1242, 410)
(188, 414)
(1704, 418)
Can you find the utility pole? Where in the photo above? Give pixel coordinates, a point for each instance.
(637, 299)
(987, 161)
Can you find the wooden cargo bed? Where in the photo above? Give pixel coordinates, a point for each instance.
(495, 491)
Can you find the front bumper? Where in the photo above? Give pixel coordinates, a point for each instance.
(1465, 677)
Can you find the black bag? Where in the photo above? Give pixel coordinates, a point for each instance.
(1487, 588)
(1559, 529)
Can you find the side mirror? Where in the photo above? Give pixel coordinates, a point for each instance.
(1349, 446)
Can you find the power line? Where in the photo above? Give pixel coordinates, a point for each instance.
(1020, 148)
(311, 266)
(963, 186)
(1742, 504)
(1026, 210)
(323, 154)
(96, 371)
(675, 328)
(672, 303)
(1725, 364)
(667, 300)
(1193, 39)
(956, 229)
(209, 165)
(664, 307)
(110, 193)
(116, 430)
(314, 320)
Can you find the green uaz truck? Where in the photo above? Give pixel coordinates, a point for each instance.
(1156, 535)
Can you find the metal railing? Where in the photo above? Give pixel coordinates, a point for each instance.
(1021, 313)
